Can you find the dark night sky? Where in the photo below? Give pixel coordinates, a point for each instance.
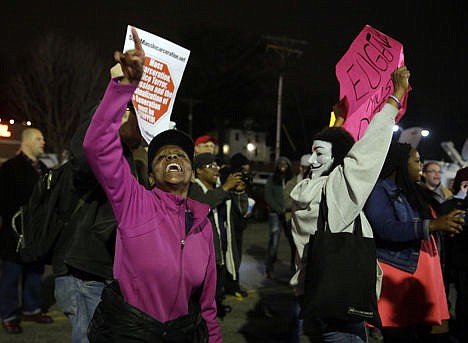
(434, 39)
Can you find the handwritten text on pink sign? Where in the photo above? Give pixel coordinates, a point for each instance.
(364, 74)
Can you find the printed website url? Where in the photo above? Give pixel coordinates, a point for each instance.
(162, 50)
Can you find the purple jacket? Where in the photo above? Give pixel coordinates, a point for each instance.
(157, 264)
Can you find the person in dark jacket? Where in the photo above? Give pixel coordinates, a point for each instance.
(238, 163)
(204, 189)
(274, 190)
(84, 257)
(457, 254)
(18, 176)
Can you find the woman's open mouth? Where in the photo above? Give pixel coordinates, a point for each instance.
(173, 167)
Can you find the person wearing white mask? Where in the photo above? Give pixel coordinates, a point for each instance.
(346, 171)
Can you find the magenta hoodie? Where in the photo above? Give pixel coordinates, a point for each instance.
(157, 265)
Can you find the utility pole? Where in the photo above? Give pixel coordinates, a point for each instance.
(283, 46)
(191, 103)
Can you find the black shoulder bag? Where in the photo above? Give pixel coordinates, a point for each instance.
(116, 321)
(340, 282)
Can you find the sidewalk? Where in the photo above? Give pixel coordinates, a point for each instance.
(264, 316)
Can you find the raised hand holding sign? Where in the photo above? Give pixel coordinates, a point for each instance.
(131, 61)
(364, 74)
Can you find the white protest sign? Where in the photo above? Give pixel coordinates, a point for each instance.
(155, 95)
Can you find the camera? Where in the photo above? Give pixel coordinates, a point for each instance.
(246, 177)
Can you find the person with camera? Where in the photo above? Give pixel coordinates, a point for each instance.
(238, 163)
(204, 189)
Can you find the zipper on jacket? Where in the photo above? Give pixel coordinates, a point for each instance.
(49, 180)
(182, 245)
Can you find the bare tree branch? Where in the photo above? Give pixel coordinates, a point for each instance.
(56, 87)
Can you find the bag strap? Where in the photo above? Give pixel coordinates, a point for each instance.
(322, 220)
(358, 226)
(20, 244)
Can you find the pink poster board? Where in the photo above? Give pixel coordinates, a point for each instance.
(364, 74)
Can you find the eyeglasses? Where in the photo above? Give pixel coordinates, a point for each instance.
(434, 172)
(212, 166)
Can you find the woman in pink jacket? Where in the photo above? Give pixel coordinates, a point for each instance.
(164, 268)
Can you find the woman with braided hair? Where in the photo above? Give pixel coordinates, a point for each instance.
(412, 304)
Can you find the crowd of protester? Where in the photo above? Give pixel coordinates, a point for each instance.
(175, 212)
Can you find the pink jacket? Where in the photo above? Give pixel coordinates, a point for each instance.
(157, 265)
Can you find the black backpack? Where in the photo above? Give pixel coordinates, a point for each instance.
(39, 222)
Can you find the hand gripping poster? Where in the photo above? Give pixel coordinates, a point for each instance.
(364, 74)
(154, 97)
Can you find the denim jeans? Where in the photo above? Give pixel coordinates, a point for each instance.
(31, 288)
(276, 222)
(338, 331)
(295, 324)
(78, 299)
(341, 337)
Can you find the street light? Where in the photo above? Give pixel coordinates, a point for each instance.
(250, 147)
(226, 149)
